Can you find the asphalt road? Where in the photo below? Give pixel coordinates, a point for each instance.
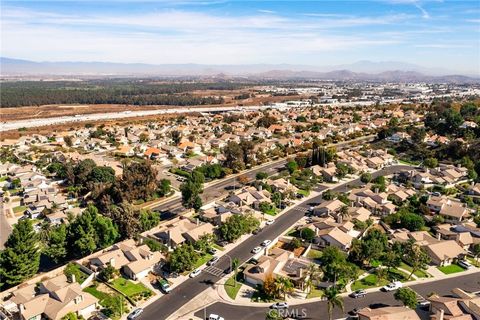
(318, 310)
(189, 289)
(5, 228)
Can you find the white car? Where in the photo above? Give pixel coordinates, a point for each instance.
(465, 264)
(392, 286)
(213, 316)
(135, 314)
(266, 243)
(195, 273)
(257, 249)
(269, 222)
(279, 305)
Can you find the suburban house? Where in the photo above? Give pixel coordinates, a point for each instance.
(328, 207)
(134, 261)
(51, 299)
(460, 305)
(182, 231)
(388, 313)
(443, 253)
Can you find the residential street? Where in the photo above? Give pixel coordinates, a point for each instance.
(318, 310)
(186, 291)
(5, 228)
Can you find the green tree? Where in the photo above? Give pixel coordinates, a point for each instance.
(431, 162)
(164, 187)
(183, 258)
(366, 177)
(21, 257)
(407, 296)
(333, 300)
(476, 252)
(237, 225)
(261, 175)
(415, 256)
(55, 246)
(235, 265)
(412, 221)
(148, 219)
(292, 166)
(307, 234)
(283, 286)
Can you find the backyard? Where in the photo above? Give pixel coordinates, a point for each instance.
(114, 305)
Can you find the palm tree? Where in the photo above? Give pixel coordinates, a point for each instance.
(312, 274)
(333, 300)
(235, 264)
(476, 252)
(344, 212)
(283, 285)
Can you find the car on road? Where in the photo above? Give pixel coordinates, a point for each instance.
(279, 305)
(269, 222)
(212, 261)
(135, 314)
(253, 261)
(195, 273)
(358, 294)
(164, 285)
(256, 249)
(214, 316)
(392, 286)
(265, 243)
(465, 264)
(257, 231)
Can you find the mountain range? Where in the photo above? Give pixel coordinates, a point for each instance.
(360, 71)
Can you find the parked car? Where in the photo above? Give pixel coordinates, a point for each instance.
(164, 285)
(135, 314)
(266, 243)
(212, 261)
(465, 264)
(212, 250)
(213, 316)
(256, 249)
(195, 273)
(269, 222)
(253, 261)
(358, 294)
(392, 286)
(279, 305)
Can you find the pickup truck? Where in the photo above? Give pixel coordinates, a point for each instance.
(164, 285)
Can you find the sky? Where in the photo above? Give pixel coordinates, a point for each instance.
(434, 34)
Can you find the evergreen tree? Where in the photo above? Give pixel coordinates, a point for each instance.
(21, 258)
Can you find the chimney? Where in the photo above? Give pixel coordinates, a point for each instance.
(376, 190)
(439, 236)
(73, 279)
(300, 272)
(198, 222)
(440, 314)
(112, 262)
(21, 307)
(260, 187)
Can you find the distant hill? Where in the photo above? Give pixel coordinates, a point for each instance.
(360, 71)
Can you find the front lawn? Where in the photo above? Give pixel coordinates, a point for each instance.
(418, 273)
(453, 268)
(314, 254)
(306, 193)
(19, 209)
(216, 246)
(231, 288)
(369, 281)
(129, 288)
(202, 260)
(315, 293)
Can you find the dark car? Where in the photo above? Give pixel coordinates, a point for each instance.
(257, 231)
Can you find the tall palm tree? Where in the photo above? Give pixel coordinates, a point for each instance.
(312, 274)
(333, 300)
(283, 285)
(343, 213)
(235, 264)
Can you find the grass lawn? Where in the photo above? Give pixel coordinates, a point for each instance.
(231, 288)
(74, 269)
(203, 260)
(314, 254)
(100, 295)
(315, 293)
(19, 209)
(110, 302)
(306, 193)
(453, 268)
(418, 273)
(271, 211)
(4, 178)
(216, 246)
(128, 287)
(369, 281)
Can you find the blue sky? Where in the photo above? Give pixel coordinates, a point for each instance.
(436, 34)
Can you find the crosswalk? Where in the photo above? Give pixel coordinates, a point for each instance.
(214, 271)
(301, 209)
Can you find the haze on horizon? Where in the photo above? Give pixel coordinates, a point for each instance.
(432, 34)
